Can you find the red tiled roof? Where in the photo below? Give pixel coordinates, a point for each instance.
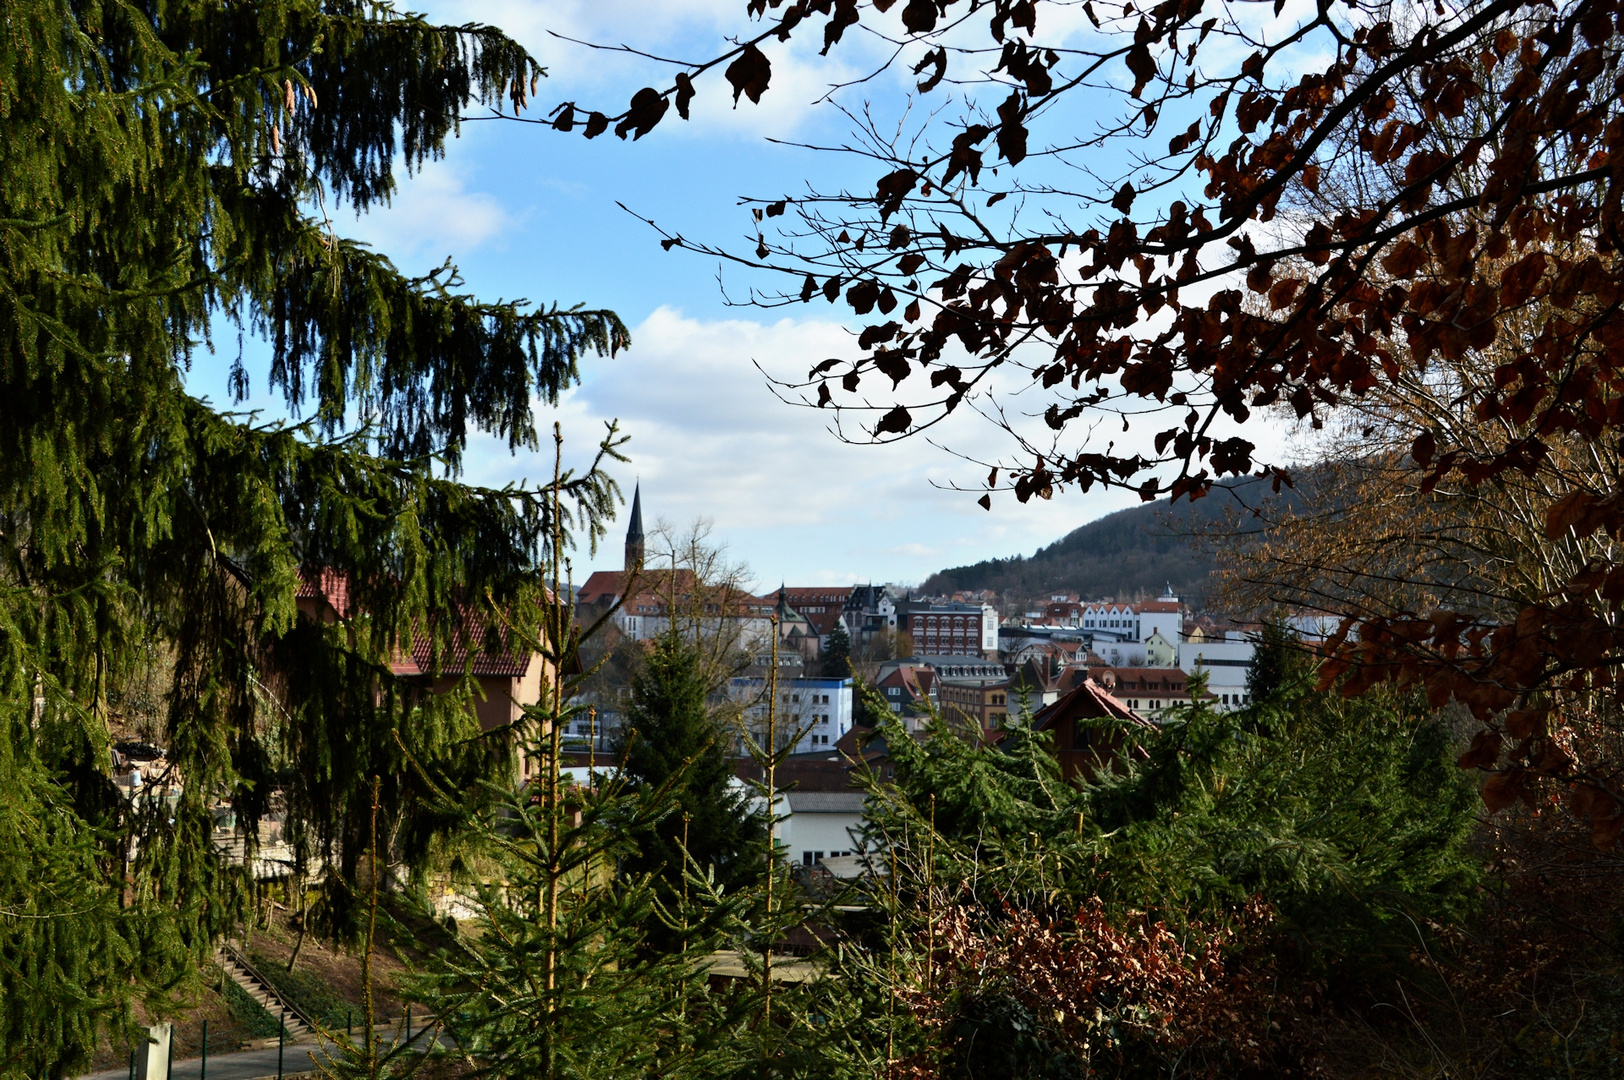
(817, 594)
(653, 589)
(1171, 607)
(492, 654)
(607, 585)
(915, 678)
(802, 773)
(332, 588)
(601, 585)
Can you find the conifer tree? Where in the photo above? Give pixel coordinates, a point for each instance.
(998, 880)
(837, 653)
(571, 966)
(1278, 666)
(671, 736)
(158, 166)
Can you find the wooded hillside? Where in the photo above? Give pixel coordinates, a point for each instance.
(1140, 550)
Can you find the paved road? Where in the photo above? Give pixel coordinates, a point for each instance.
(241, 1065)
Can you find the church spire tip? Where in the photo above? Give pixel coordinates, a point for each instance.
(634, 531)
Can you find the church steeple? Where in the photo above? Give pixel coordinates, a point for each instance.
(634, 532)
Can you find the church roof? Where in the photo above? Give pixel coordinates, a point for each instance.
(634, 527)
(820, 605)
(788, 616)
(656, 588)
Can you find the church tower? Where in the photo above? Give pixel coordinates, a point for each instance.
(634, 532)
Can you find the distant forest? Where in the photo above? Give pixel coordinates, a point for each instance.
(1129, 555)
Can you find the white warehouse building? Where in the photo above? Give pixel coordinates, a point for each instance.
(1226, 664)
(820, 825)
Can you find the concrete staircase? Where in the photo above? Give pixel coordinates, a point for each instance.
(241, 972)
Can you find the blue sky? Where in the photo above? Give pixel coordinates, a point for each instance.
(527, 212)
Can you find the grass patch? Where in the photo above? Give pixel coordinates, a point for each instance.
(303, 991)
(253, 1017)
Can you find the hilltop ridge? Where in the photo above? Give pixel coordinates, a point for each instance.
(1128, 554)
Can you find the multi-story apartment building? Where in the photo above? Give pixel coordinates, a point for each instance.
(1130, 622)
(1226, 662)
(952, 629)
(983, 703)
(811, 713)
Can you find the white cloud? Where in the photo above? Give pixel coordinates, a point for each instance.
(433, 214)
(687, 31)
(710, 440)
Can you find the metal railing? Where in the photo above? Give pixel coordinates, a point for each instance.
(236, 955)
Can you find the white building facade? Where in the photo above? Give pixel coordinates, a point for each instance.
(1226, 664)
(814, 713)
(1134, 622)
(821, 825)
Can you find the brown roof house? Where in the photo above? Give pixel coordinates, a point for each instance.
(1148, 691)
(509, 677)
(911, 691)
(1090, 727)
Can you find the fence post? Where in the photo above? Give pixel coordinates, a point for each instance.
(203, 1067)
(408, 1025)
(281, 1038)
